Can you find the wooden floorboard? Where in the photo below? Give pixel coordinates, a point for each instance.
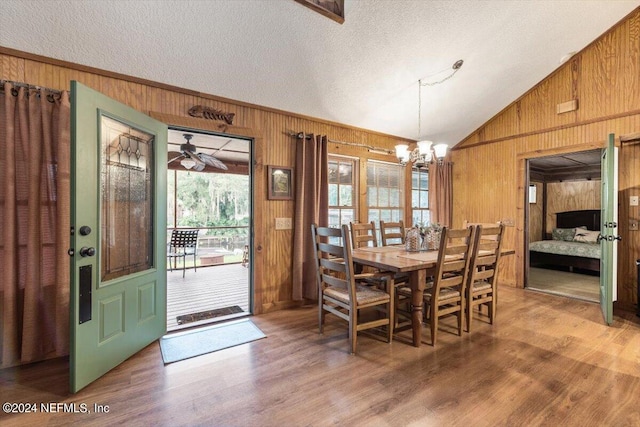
(564, 283)
(548, 361)
(206, 288)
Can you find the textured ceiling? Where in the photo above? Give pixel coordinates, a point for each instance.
(364, 73)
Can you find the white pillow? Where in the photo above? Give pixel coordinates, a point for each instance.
(586, 236)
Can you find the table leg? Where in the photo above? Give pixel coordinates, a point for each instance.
(417, 281)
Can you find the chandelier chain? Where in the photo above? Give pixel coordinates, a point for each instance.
(456, 66)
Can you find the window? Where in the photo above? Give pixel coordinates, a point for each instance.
(420, 196)
(342, 194)
(385, 192)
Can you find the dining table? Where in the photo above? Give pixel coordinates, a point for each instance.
(396, 259)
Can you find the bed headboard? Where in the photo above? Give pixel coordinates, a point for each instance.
(589, 218)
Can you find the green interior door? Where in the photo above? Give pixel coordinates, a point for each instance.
(609, 230)
(118, 219)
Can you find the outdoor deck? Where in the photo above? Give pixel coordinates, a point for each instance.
(208, 288)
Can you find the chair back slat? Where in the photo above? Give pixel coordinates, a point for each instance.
(392, 232)
(331, 249)
(484, 274)
(334, 262)
(453, 258)
(363, 235)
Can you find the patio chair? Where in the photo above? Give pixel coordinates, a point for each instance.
(183, 243)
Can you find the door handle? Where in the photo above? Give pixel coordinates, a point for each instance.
(87, 251)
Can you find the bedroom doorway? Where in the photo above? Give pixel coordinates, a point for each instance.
(563, 224)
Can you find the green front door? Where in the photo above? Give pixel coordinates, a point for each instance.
(118, 219)
(609, 229)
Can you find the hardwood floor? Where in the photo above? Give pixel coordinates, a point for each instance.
(547, 361)
(564, 283)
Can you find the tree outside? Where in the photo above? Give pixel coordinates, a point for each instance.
(201, 200)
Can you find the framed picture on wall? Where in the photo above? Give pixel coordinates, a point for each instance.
(280, 183)
(332, 9)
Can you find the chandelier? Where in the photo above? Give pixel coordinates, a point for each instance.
(422, 155)
(425, 152)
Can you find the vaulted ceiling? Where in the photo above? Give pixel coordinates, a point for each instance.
(364, 73)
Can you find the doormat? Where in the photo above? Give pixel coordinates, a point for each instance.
(196, 342)
(209, 314)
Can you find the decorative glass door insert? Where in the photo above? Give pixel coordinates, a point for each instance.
(127, 199)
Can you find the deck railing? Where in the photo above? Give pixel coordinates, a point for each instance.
(218, 245)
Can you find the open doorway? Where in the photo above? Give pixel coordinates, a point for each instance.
(563, 213)
(212, 282)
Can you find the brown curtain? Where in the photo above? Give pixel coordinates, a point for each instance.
(312, 206)
(34, 224)
(441, 192)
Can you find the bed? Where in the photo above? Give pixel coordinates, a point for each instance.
(577, 249)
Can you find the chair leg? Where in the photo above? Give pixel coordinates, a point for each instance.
(392, 321)
(320, 317)
(469, 313)
(353, 329)
(492, 309)
(434, 328)
(184, 265)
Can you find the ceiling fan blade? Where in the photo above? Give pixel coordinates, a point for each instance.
(212, 161)
(174, 155)
(196, 158)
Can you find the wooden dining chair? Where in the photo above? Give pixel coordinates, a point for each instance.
(340, 291)
(392, 233)
(363, 234)
(483, 272)
(467, 223)
(445, 292)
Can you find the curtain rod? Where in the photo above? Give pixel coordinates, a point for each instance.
(28, 86)
(380, 150)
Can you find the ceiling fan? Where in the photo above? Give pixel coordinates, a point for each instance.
(189, 159)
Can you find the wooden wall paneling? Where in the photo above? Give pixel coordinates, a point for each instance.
(571, 196)
(631, 75)
(269, 128)
(12, 68)
(605, 79)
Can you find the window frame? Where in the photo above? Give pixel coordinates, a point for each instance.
(421, 190)
(355, 182)
(397, 212)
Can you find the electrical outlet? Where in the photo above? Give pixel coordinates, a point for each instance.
(633, 225)
(283, 224)
(633, 201)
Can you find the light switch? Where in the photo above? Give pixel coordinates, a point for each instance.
(633, 201)
(283, 224)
